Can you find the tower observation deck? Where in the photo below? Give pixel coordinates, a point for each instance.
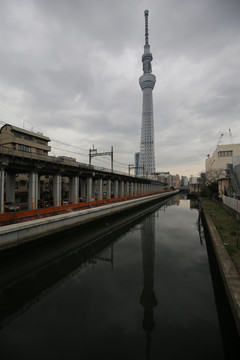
(147, 82)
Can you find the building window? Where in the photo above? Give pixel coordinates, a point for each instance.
(39, 151)
(24, 148)
(227, 153)
(23, 182)
(17, 135)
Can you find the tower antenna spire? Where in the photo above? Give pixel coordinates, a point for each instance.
(146, 27)
(147, 82)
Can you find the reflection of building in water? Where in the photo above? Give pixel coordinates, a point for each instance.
(174, 200)
(148, 299)
(194, 203)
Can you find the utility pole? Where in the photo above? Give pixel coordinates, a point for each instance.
(93, 152)
(131, 166)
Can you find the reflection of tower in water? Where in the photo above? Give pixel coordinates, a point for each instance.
(148, 299)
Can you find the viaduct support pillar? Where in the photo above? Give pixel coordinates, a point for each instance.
(121, 190)
(39, 188)
(89, 189)
(109, 189)
(10, 188)
(93, 189)
(126, 191)
(139, 188)
(57, 182)
(100, 189)
(83, 189)
(115, 189)
(1, 190)
(131, 188)
(74, 183)
(135, 189)
(33, 191)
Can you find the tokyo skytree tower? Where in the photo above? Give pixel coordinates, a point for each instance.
(147, 82)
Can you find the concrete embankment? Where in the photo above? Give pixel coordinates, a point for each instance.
(228, 271)
(15, 235)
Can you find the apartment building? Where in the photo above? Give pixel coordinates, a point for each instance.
(21, 140)
(173, 181)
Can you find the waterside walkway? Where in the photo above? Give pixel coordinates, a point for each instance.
(229, 273)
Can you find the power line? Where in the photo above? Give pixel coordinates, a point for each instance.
(96, 159)
(73, 152)
(114, 161)
(63, 143)
(13, 112)
(121, 163)
(58, 141)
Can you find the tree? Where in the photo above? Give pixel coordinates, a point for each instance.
(210, 181)
(213, 175)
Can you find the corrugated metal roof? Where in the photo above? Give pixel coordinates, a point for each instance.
(30, 133)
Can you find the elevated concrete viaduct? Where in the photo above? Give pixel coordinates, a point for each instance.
(82, 178)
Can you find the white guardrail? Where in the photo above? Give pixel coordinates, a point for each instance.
(231, 202)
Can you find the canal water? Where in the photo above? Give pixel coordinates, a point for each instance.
(142, 289)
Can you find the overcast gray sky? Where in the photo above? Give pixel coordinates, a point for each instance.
(70, 69)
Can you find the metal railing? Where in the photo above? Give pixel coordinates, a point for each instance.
(232, 203)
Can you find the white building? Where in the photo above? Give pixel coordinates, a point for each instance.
(184, 181)
(193, 180)
(222, 156)
(224, 164)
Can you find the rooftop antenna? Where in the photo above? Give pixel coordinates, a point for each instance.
(230, 135)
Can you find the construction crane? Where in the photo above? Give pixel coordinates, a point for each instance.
(230, 135)
(218, 142)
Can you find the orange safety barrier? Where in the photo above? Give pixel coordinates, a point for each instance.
(24, 215)
(7, 216)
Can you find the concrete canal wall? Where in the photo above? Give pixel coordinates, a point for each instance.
(18, 234)
(228, 271)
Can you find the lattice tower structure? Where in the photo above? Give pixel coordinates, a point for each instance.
(147, 82)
